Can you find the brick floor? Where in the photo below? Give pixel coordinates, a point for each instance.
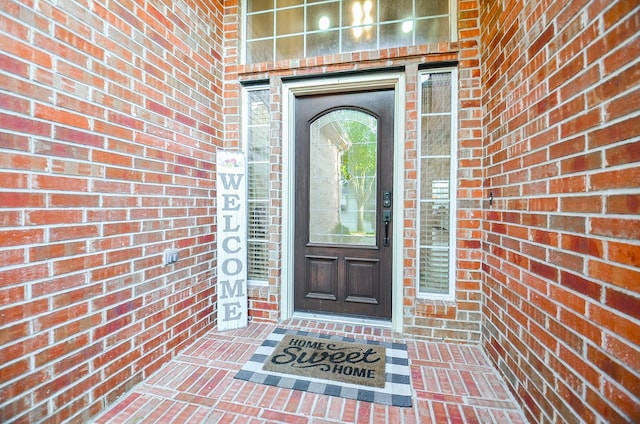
(452, 383)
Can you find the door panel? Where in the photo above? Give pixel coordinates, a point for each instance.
(344, 166)
(362, 280)
(321, 278)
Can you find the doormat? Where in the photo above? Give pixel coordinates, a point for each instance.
(346, 362)
(332, 365)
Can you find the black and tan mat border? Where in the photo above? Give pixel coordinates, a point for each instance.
(396, 390)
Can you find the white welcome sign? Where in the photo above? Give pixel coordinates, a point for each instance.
(231, 206)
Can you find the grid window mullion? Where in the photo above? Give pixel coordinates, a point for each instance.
(289, 38)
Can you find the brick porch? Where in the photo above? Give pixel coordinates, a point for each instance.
(452, 383)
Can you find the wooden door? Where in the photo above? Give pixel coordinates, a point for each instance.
(343, 203)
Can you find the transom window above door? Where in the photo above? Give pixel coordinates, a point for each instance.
(294, 29)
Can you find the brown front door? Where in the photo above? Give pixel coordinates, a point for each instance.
(343, 203)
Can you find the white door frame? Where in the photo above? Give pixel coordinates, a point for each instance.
(292, 89)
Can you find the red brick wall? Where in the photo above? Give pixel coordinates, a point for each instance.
(561, 240)
(109, 120)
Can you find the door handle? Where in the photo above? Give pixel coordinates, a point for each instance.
(386, 218)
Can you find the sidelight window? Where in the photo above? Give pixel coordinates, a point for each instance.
(256, 140)
(293, 29)
(436, 188)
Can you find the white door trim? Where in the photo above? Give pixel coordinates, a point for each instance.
(330, 85)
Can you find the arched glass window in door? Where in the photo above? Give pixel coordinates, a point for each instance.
(343, 178)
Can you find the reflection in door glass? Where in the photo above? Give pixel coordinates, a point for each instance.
(343, 178)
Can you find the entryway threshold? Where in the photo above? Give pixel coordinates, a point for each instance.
(343, 319)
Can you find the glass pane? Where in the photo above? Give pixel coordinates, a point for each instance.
(322, 43)
(323, 17)
(260, 51)
(258, 144)
(290, 21)
(434, 223)
(434, 270)
(260, 25)
(432, 7)
(395, 10)
(290, 47)
(436, 135)
(258, 102)
(436, 93)
(343, 178)
(256, 6)
(258, 181)
(287, 3)
(258, 221)
(432, 30)
(258, 257)
(398, 34)
(434, 178)
(358, 12)
(360, 38)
